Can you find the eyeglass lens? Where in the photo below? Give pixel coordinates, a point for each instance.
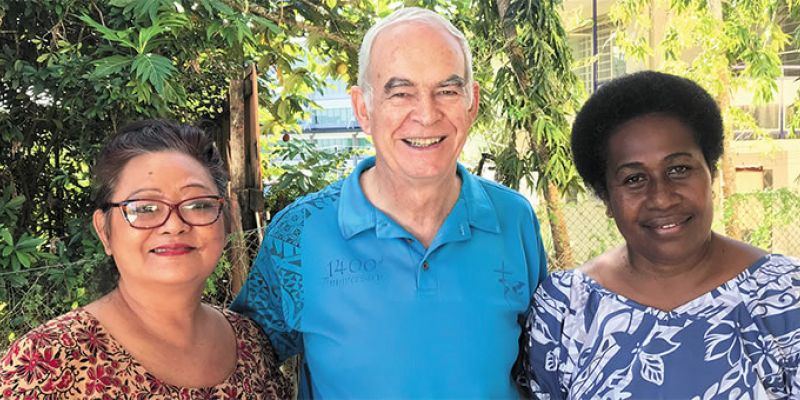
(152, 213)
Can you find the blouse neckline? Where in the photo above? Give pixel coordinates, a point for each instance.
(229, 316)
(688, 309)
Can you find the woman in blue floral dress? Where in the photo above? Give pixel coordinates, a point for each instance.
(678, 311)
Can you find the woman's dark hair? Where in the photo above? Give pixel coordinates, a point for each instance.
(150, 136)
(632, 96)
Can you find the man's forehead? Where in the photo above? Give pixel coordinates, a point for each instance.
(430, 49)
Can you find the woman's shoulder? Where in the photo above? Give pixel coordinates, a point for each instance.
(257, 364)
(43, 360)
(773, 277)
(57, 332)
(250, 338)
(560, 291)
(579, 279)
(243, 326)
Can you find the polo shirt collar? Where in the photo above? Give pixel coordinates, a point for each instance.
(357, 214)
(480, 209)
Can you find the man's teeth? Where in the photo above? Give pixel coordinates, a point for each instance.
(166, 250)
(423, 142)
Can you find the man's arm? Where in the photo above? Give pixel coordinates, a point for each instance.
(272, 297)
(534, 250)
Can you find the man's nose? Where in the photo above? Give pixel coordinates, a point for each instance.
(427, 111)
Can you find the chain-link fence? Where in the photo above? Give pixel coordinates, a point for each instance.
(770, 220)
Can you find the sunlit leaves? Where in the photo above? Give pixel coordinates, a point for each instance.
(533, 89)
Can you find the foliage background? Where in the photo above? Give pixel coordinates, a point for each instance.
(74, 71)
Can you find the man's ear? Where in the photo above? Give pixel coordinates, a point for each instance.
(476, 98)
(99, 222)
(359, 102)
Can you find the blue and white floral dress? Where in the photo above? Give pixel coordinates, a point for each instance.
(739, 341)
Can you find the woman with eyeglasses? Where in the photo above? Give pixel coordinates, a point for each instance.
(160, 214)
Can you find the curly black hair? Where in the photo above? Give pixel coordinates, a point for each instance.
(636, 95)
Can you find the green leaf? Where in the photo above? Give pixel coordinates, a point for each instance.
(146, 35)
(120, 37)
(23, 259)
(110, 65)
(15, 202)
(269, 24)
(142, 8)
(29, 242)
(222, 7)
(154, 69)
(121, 3)
(5, 234)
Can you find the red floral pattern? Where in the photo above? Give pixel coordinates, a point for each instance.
(72, 356)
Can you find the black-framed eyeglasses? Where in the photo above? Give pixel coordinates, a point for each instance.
(150, 213)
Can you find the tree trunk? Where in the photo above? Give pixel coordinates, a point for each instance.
(732, 227)
(240, 260)
(558, 229)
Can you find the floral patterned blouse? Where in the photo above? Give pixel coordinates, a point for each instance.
(72, 356)
(738, 341)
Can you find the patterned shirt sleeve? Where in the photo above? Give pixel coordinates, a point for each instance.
(272, 294)
(544, 356)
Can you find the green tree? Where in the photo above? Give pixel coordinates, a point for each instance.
(534, 90)
(74, 71)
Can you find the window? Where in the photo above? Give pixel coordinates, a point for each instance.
(610, 58)
(332, 118)
(790, 57)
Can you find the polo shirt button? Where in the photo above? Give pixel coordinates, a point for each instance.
(425, 265)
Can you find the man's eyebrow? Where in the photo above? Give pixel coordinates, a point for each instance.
(396, 82)
(453, 80)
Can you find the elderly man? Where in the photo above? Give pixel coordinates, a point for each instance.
(406, 279)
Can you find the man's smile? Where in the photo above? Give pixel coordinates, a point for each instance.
(423, 142)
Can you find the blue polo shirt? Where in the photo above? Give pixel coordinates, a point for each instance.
(376, 314)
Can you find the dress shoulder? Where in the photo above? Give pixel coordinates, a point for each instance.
(771, 286)
(46, 361)
(563, 288)
(258, 364)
